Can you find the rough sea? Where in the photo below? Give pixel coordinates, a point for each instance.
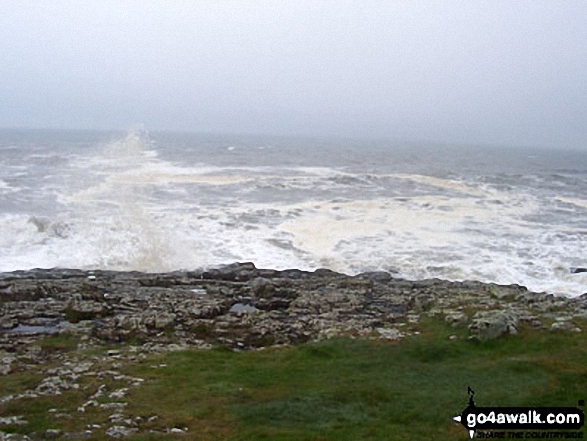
(163, 201)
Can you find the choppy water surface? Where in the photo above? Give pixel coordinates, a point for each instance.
(158, 202)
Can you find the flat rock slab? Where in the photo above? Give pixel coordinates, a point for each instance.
(244, 307)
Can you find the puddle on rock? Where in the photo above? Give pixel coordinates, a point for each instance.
(53, 328)
(242, 308)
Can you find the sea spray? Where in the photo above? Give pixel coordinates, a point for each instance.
(158, 202)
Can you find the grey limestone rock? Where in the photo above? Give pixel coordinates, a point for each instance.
(488, 325)
(424, 301)
(121, 431)
(13, 421)
(13, 437)
(456, 318)
(564, 326)
(245, 307)
(52, 433)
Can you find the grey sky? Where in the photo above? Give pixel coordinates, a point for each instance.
(499, 72)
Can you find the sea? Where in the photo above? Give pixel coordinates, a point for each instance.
(158, 201)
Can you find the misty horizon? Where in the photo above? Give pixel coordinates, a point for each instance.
(480, 73)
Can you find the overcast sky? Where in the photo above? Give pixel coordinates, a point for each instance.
(508, 72)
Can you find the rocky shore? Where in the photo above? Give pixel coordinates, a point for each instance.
(238, 306)
(244, 307)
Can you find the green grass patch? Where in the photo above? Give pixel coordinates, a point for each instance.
(58, 343)
(345, 389)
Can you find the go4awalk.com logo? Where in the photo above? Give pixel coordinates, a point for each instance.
(536, 422)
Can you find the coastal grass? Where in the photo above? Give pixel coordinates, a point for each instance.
(340, 389)
(349, 389)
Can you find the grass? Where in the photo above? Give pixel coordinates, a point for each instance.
(345, 389)
(59, 343)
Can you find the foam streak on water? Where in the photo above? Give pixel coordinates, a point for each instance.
(166, 202)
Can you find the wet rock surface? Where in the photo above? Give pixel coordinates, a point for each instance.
(245, 307)
(239, 306)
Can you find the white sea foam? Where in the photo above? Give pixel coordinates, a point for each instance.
(581, 203)
(6, 188)
(123, 206)
(450, 184)
(375, 232)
